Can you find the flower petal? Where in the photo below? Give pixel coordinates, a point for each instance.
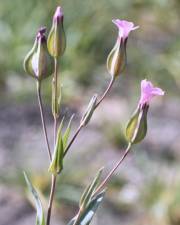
(125, 27)
(148, 91)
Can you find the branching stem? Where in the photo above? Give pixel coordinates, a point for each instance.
(53, 184)
(98, 103)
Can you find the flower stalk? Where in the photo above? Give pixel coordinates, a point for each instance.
(105, 181)
(53, 177)
(96, 106)
(52, 192)
(56, 44)
(106, 91)
(55, 86)
(43, 119)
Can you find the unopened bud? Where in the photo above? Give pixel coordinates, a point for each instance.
(38, 63)
(116, 60)
(137, 126)
(89, 111)
(57, 39)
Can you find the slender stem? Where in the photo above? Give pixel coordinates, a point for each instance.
(55, 82)
(53, 178)
(80, 126)
(73, 139)
(78, 216)
(104, 182)
(42, 118)
(106, 91)
(53, 186)
(55, 130)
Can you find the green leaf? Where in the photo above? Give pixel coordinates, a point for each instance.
(89, 111)
(40, 214)
(56, 164)
(67, 132)
(86, 196)
(88, 214)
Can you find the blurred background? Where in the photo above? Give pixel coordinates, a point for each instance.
(146, 188)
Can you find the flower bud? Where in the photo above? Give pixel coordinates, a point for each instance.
(116, 60)
(137, 126)
(56, 38)
(38, 63)
(89, 111)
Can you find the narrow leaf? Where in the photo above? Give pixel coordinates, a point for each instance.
(56, 165)
(89, 111)
(86, 196)
(40, 214)
(88, 214)
(67, 132)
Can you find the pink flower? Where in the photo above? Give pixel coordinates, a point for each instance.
(58, 15)
(148, 91)
(125, 27)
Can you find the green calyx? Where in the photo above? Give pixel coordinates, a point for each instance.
(56, 42)
(38, 63)
(116, 60)
(137, 126)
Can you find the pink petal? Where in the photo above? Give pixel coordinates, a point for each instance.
(158, 91)
(58, 14)
(148, 91)
(125, 27)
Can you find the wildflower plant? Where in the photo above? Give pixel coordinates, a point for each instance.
(42, 61)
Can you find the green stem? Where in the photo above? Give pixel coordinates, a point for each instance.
(72, 140)
(54, 177)
(105, 181)
(98, 103)
(70, 143)
(43, 119)
(53, 186)
(55, 85)
(78, 217)
(106, 91)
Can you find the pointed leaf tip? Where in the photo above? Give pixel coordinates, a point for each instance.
(40, 214)
(56, 164)
(67, 132)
